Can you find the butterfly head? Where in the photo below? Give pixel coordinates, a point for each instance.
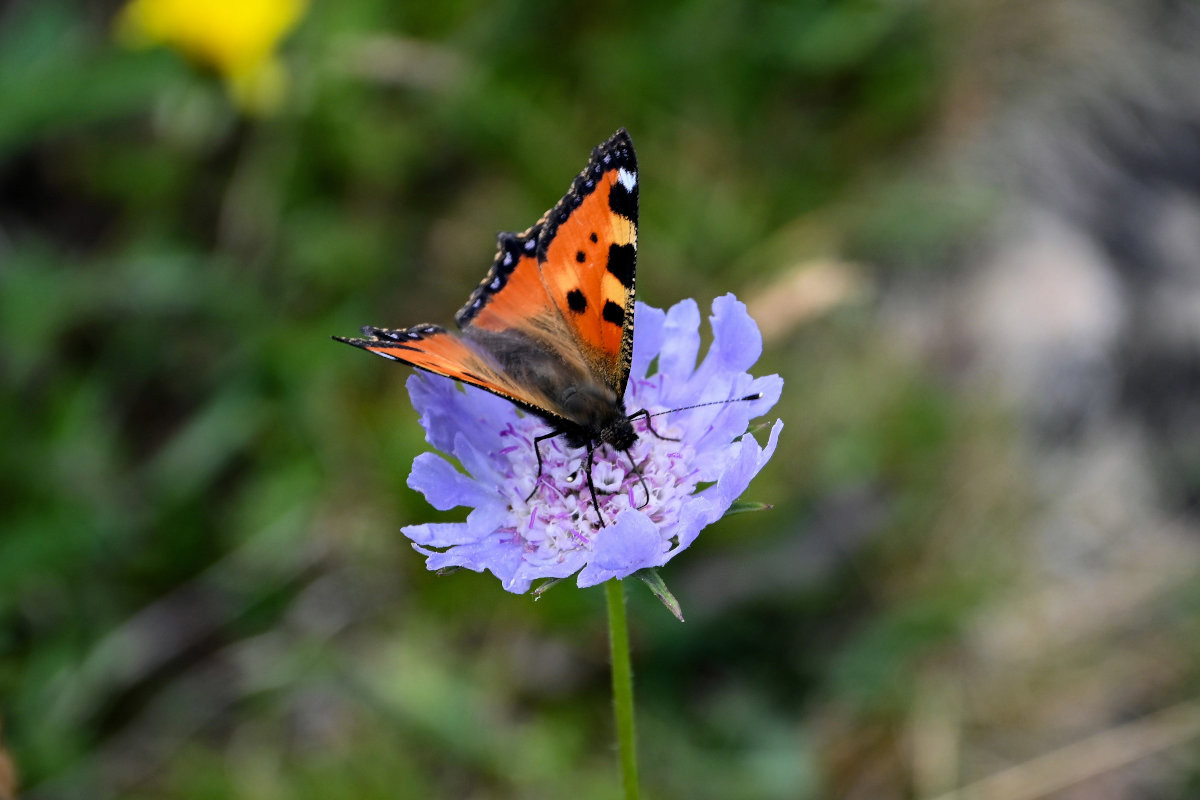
(599, 417)
(619, 433)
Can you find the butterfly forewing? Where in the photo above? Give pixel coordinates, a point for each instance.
(512, 291)
(587, 251)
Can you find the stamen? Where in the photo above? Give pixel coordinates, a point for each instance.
(561, 515)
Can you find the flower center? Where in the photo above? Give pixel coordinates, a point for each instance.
(553, 514)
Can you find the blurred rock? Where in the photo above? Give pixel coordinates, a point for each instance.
(1044, 313)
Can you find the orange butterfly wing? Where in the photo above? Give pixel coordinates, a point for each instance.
(587, 251)
(506, 300)
(544, 318)
(434, 349)
(512, 297)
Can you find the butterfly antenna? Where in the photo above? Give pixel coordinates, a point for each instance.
(648, 416)
(748, 398)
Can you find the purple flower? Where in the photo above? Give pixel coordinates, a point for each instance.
(555, 533)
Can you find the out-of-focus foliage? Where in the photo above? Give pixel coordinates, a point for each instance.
(203, 588)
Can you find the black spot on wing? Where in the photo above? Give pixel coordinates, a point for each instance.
(615, 153)
(624, 201)
(622, 259)
(594, 237)
(580, 256)
(576, 301)
(614, 313)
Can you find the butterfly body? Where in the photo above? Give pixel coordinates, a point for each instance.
(550, 327)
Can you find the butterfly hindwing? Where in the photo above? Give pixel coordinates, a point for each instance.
(434, 349)
(587, 252)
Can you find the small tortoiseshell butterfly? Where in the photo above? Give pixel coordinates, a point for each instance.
(551, 325)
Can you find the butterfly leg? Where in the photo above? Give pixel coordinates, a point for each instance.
(591, 451)
(538, 452)
(650, 427)
(633, 468)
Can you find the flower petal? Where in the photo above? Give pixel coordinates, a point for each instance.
(770, 387)
(697, 514)
(647, 337)
(479, 464)
(627, 545)
(491, 555)
(444, 486)
(737, 344)
(724, 423)
(439, 534)
(558, 569)
(446, 409)
(681, 343)
(750, 459)
(705, 508)
(488, 518)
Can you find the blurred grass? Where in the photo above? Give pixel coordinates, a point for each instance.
(203, 588)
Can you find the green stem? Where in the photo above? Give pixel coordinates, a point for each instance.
(622, 676)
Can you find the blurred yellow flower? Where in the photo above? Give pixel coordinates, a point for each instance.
(237, 38)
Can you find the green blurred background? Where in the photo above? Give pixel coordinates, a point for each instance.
(969, 230)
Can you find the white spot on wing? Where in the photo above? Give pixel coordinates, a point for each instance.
(627, 179)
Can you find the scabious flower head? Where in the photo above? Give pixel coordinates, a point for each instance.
(237, 38)
(687, 475)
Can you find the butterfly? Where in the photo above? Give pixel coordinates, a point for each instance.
(550, 327)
